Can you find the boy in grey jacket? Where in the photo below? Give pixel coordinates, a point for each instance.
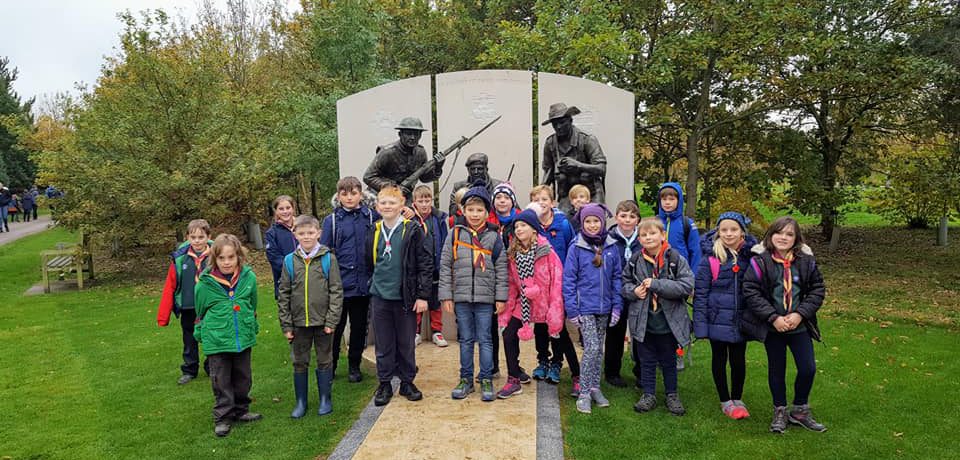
(309, 303)
(656, 282)
(473, 282)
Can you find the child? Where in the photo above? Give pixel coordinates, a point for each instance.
(579, 196)
(534, 296)
(400, 283)
(309, 306)
(279, 237)
(624, 235)
(226, 297)
(657, 282)
(458, 195)
(506, 209)
(433, 222)
(718, 306)
(474, 276)
(591, 296)
(345, 231)
(784, 289)
(555, 227)
(186, 264)
(682, 232)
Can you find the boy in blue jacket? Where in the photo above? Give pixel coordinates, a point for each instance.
(682, 232)
(345, 232)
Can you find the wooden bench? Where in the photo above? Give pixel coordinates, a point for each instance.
(66, 259)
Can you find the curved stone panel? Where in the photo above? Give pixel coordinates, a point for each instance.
(606, 112)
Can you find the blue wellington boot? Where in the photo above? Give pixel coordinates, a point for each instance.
(300, 389)
(324, 387)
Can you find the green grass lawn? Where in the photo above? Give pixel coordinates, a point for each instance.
(90, 375)
(886, 381)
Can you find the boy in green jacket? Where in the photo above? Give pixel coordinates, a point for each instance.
(309, 305)
(226, 302)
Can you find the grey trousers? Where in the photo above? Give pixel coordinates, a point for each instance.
(305, 338)
(231, 379)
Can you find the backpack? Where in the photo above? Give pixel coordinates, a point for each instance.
(324, 264)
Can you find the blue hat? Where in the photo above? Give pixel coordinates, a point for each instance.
(529, 217)
(741, 219)
(478, 190)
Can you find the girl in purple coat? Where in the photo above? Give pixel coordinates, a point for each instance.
(591, 296)
(718, 306)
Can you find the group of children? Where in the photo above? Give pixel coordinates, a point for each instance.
(507, 274)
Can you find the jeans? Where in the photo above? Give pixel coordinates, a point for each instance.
(473, 325)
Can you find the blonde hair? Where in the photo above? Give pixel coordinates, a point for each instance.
(199, 224)
(223, 240)
(422, 190)
(652, 221)
(458, 196)
(540, 189)
(392, 192)
(578, 190)
(720, 251)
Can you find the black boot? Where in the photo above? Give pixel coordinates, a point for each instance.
(324, 386)
(300, 390)
(354, 375)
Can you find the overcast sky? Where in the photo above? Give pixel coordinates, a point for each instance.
(56, 43)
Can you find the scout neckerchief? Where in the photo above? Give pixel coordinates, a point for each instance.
(387, 236)
(198, 260)
(475, 246)
(787, 278)
(423, 222)
(307, 256)
(627, 250)
(525, 264)
(228, 283)
(657, 265)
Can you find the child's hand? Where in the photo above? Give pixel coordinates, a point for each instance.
(447, 306)
(407, 212)
(327, 330)
(289, 336)
(781, 324)
(640, 291)
(793, 320)
(500, 306)
(646, 283)
(420, 306)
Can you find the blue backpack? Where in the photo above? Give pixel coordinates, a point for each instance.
(324, 264)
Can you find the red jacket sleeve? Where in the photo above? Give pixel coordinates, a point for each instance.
(166, 298)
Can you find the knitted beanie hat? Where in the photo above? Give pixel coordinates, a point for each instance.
(506, 187)
(740, 219)
(478, 191)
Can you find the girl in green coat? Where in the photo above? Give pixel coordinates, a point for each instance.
(226, 302)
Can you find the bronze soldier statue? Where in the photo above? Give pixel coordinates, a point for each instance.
(397, 161)
(477, 171)
(571, 157)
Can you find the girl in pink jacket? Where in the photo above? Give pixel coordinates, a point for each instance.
(535, 299)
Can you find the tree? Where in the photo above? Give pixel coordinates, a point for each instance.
(694, 66)
(16, 168)
(849, 76)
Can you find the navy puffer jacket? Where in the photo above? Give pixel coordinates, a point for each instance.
(718, 305)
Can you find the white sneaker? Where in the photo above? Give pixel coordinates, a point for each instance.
(438, 340)
(416, 340)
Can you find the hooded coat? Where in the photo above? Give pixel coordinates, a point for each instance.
(590, 290)
(543, 290)
(688, 247)
(718, 306)
(758, 284)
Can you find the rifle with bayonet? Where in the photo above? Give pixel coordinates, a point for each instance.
(411, 181)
